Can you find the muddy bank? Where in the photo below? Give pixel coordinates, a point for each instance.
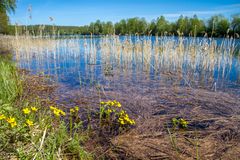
(213, 131)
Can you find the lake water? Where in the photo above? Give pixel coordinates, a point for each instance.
(80, 63)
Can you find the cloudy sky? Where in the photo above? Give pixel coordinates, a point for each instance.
(81, 12)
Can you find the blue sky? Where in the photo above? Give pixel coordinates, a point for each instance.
(81, 12)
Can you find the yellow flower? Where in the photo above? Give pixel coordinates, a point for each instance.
(122, 113)
(72, 110)
(62, 112)
(13, 124)
(121, 121)
(124, 118)
(34, 109)
(76, 108)
(11, 121)
(118, 105)
(2, 116)
(52, 108)
(111, 103)
(56, 113)
(102, 103)
(183, 123)
(29, 122)
(26, 111)
(132, 122)
(109, 111)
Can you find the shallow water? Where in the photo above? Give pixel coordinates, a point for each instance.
(85, 62)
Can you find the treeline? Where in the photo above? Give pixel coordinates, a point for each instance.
(216, 26)
(44, 30)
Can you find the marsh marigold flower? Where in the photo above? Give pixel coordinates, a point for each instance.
(57, 112)
(111, 103)
(117, 104)
(76, 108)
(11, 121)
(34, 109)
(13, 124)
(52, 108)
(29, 122)
(62, 112)
(72, 110)
(183, 123)
(26, 110)
(2, 116)
(124, 119)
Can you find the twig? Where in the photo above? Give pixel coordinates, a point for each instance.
(41, 145)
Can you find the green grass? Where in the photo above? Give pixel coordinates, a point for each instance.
(10, 82)
(29, 130)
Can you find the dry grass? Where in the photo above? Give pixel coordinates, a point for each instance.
(213, 116)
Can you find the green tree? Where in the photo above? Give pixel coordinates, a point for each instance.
(197, 26)
(136, 26)
(162, 25)
(152, 28)
(182, 25)
(223, 26)
(3, 23)
(6, 6)
(121, 27)
(96, 27)
(218, 25)
(132, 25)
(141, 26)
(235, 24)
(108, 28)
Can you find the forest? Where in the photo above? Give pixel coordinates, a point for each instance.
(216, 26)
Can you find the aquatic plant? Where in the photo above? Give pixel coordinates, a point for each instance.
(112, 115)
(180, 123)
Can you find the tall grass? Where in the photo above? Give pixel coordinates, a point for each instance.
(10, 82)
(199, 58)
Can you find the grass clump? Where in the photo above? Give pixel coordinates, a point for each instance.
(41, 133)
(10, 83)
(114, 117)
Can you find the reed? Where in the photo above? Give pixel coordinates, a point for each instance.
(141, 54)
